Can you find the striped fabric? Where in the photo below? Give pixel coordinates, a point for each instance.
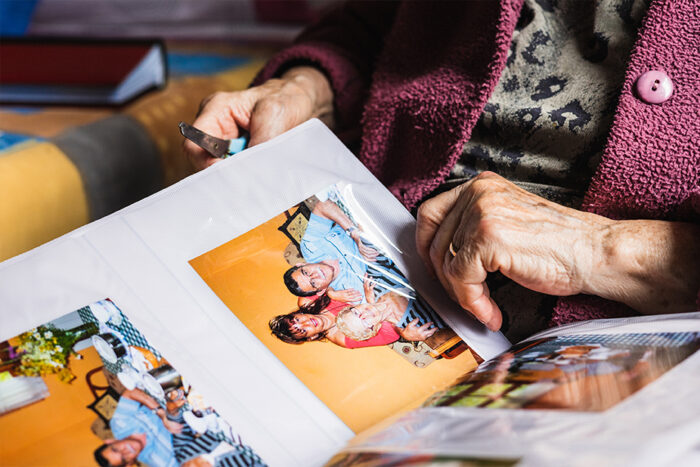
(131, 335)
(388, 277)
(188, 445)
(419, 309)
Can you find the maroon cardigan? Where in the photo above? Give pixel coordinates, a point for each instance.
(413, 78)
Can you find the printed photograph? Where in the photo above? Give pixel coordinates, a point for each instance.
(314, 286)
(588, 372)
(88, 389)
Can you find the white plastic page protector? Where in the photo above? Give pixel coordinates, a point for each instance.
(52, 280)
(654, 425)
(221, 204)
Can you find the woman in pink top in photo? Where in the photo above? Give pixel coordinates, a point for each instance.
(316, 321)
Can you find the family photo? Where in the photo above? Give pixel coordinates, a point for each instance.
(314, 286)
(587, 372)
(90, 380)
(349, 292)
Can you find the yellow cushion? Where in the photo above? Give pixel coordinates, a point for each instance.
(41, 197)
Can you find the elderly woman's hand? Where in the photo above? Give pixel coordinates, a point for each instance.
(264, 111)
(493, 225)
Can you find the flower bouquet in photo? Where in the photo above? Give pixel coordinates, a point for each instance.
(47, 350)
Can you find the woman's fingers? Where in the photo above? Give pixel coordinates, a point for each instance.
(300, 94)
(438, 221)
(432, 217)
(466, 275)
(272, 116)
(475, 298)
(493, 225)
(221, 115)
(447, 236)
(200, 158)
(265, 111)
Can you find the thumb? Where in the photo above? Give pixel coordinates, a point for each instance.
(467, 277)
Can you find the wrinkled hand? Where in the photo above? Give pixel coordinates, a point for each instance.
(347, 295)
(496, 226)
(413, 332)
(265, 111)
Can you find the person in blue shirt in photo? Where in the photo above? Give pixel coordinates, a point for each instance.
(337, 259)
(142, 431)
(147, 433)
(339, 264)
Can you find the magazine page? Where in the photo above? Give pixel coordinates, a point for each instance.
(603, 391)
(198, 271)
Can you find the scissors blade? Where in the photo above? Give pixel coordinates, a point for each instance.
(217, 147)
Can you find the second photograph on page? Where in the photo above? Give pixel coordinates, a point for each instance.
(316, 287)
(88, 388)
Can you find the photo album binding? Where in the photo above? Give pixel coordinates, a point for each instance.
(268, 310)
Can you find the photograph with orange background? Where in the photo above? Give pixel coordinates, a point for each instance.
(88, 389)
(312, 285)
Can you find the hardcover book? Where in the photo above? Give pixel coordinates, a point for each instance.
(73, 71)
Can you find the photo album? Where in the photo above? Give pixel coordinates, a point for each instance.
(273, 310)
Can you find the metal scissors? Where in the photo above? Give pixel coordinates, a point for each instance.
(217, 147)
